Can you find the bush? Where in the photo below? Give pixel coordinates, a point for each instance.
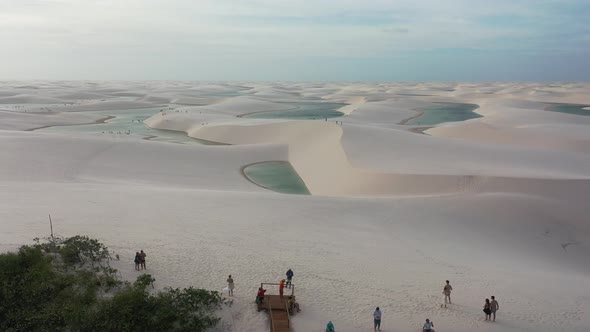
(49, 287)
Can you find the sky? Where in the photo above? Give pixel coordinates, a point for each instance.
(296, 40)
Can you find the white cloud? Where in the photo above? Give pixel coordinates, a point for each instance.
(206, 29)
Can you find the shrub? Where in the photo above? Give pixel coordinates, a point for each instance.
(49, 287)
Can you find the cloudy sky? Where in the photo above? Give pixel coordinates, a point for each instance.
(323, 40)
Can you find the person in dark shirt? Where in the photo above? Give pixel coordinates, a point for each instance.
(289, 278)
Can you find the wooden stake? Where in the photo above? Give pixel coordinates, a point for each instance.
(51, 227)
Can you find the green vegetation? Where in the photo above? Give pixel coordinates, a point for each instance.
(67, 285)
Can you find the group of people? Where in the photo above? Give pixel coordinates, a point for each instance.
(288, 283)
(140, 260)
(428, 325)
(489, 307)
(292, 304)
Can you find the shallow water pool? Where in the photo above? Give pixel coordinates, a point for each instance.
(576, 109)
(445, 112)
(127, 122)
(302, 111)
(277, 176)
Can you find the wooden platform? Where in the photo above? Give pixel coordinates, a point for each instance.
(275, 302)
(278, 312)
(279, 321)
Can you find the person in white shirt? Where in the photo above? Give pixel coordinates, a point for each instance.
(230, 286)
(428, 326)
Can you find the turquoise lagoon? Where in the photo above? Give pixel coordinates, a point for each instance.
(277, 176)
(127, 122)
(302, 111)
(576, 109)
(445, 112)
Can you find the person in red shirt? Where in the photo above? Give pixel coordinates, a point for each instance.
(281, 287)
(260, 296)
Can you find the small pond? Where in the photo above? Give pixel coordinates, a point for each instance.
(444, 112)
(302, 111)
(277, 176)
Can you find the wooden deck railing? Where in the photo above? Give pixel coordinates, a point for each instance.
(288, 314)
(292, 288)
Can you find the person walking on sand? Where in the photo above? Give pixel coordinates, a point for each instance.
(428, 326)
(330, 327)
(486, 309)
(142, 256)
(137, 260)
(494, 306)
(447, 292)
(230, 286)
(377, 319)
(281, 287)
(289, 278)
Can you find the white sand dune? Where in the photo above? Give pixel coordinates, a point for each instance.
(315, 151)
(30, 121)
(353, 104)
(197, 101)
(82, 95)
(386, 150)
(108, 106)
(30, 99)
(515, 125)
(495, 204)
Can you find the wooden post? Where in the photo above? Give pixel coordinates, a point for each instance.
(51, 227)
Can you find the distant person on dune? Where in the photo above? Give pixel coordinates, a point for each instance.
(137, 260)
(330, 327)
(447, 292)
(230, 286)
(377, 319)
(289, 278)
(428, 326)
(494, 306)
(142, 256)
(281, 287)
